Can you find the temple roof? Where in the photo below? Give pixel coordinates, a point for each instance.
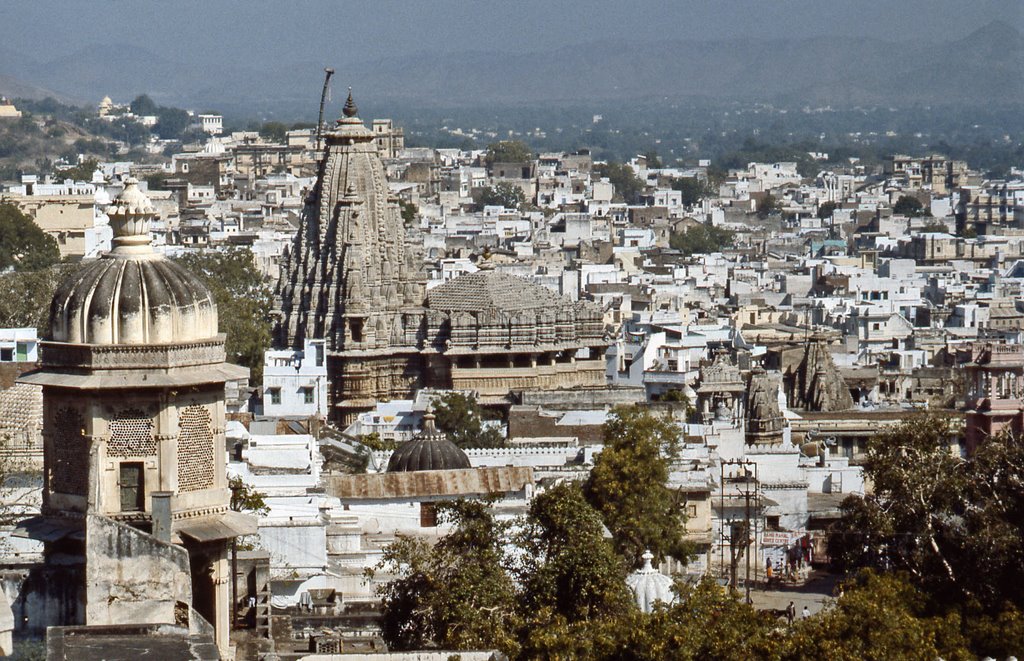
(429, 451)
(483, 290)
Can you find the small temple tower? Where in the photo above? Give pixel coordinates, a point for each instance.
(765, 423)
(133, 373)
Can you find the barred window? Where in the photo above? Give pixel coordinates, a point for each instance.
(69, 472)
(195, 449)
(131, 435)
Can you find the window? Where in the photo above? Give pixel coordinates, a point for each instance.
(7, 355)
(307, 395)
(132, 487)
(691, 511)
(319, 348)
(275, 395)
(428, 515)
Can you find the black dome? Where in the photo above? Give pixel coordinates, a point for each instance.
(429, 451)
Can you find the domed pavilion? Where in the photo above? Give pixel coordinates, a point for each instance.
(133, 372)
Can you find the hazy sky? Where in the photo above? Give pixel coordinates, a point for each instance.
(264, 32)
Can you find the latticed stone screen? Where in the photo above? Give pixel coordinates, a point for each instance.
(70, 470)
(131, 435)
(195, 449)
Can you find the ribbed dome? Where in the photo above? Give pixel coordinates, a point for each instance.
(650, 586)
(429, 451)
(132, 295)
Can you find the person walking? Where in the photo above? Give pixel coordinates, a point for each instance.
(791, 613)
(805, 613)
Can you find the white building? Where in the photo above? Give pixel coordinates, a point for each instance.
(295, 382)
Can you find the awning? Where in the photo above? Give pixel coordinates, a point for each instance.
(50, 528)
(220, 526)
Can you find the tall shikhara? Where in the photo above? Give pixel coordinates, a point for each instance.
(349, 278)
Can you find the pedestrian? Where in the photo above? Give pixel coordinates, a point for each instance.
(805, 613)
(791, 613)
(768, 572)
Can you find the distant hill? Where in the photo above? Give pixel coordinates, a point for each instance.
(985, 67)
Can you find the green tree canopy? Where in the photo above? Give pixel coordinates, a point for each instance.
(456, 594)
(172, 123)
(701, 239)
(23, 245)
(460, 417)
(244, 302)
(952, 523)
(908, 205)
(31, 307)
(81, 172)
(568, 569)
(628, 186)
(503, 194)
(826, 209)
(693, 190)
(628, 485)
(767, 206)
(508, 151)
(274, 131)
(143, 105)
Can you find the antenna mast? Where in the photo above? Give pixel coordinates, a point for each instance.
(328, 72)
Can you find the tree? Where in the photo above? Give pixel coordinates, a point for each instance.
(244, 302)
(455, 595)
(23, 245)
(461, 419)
(653, 161)
(826, 209)
(31, 308)
(508, 151)
(171, 123)
(953, 524)
(409, 212)
(81, 172)
(628, 485)
(881, 617)
(502, 194)
(766, 206)
(701, 239)
(568, 570)
(908, 205)
(628, 186)
(245, 498)
(693, 190)
(274, 131)
(143, 105)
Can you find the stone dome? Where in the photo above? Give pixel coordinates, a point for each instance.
(429, 451)
(648, 585)
(132, 295)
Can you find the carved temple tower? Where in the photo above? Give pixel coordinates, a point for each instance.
(349, 279)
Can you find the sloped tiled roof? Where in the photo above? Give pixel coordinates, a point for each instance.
(483, 290)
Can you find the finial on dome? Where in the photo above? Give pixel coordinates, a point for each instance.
(350, 108)
(647, 556)
(129, 216)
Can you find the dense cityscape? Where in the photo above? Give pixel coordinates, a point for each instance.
(675, 379)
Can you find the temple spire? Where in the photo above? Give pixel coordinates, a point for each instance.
(350, 108)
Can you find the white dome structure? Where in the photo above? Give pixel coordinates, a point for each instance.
(650, 586)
